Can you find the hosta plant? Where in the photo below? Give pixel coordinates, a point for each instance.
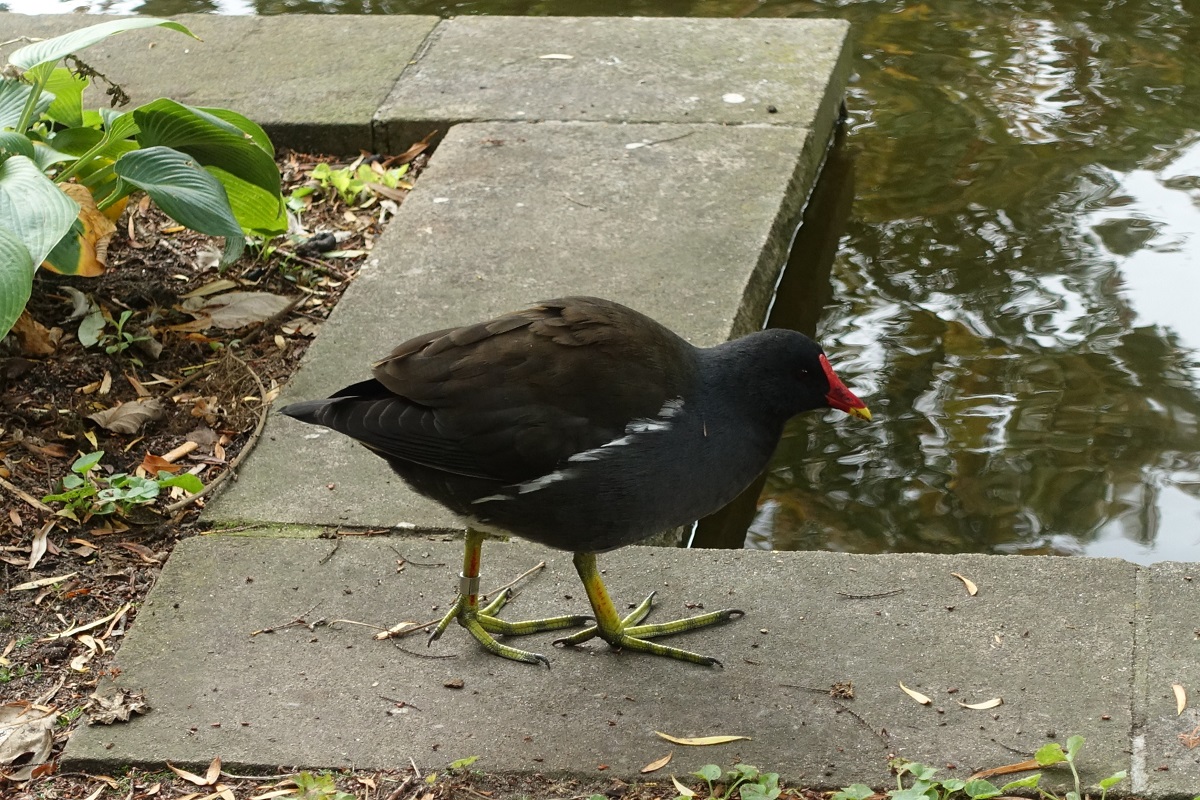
(66, 171)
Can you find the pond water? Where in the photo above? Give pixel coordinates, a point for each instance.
(1016, 286)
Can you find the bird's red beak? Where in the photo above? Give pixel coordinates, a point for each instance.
(840, 397)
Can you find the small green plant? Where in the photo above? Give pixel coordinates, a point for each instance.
(1052, 754)
(69, 716)
(462, 763)
(13, 673)
(120, 340)
(353, 184)
(318, 786)
(747, 781)
(85, 494)
(923, 785)
(66, 171)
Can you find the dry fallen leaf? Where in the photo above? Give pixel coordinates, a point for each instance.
(155, 464)
(683, 790)
(26, 736)
(983, 706)
(116, 707)
(34, 338)
(659, 764)
(209, 778)
(915, 695)
(700, 741)
(40, 582)
(128, 417)
(1180, 698)
(233, 310)
(39, 545)
(972, 589)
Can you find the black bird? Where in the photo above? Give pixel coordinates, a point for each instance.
(585, 426)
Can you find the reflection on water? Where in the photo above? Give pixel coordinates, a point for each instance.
(1016, 288)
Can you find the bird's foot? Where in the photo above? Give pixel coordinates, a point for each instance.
(482, 623)
(633, 635)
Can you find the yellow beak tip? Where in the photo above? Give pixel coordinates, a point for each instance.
(863, 413)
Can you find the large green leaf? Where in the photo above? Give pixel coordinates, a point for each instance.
(256, 210)
(33, 208)
(186, 192)
(16, 279)
(14, 144)
(49, 51)
(67, 88)
(244, 124)
(213, 142)
(13, 97)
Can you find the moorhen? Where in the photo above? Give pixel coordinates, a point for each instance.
(585, 426)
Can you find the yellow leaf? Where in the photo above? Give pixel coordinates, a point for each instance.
(659, 764)
(700, 741)
(972, 589)
(91, 251)
(915, 695)
(1180, 698)
(683, 790)
(190, 777)
(984, 706)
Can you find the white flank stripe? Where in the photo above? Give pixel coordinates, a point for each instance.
(661, 422)
(544, 481)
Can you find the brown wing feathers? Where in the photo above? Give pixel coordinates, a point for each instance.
(511, 399)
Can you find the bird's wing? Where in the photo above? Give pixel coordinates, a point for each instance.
(513, 398)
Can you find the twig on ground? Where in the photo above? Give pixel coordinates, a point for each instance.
(871, 596)
(538, 566)
(26, 496)
(337, 542)
(295, 621)
(251, 440)
(425, 655)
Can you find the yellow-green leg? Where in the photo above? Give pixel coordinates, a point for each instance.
(482, 622)
(628, 632)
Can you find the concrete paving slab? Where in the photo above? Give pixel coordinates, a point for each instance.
(1169, 653)
(1051, 636)
(314, 82)
(613, 69)
(691, 229)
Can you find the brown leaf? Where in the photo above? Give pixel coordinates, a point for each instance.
(234, 310)
(116, 707)
(154, 464)
(700, 741)
(34, 338)
(972, 589)
(412, 152)
(141, 550)
(128, 417)
(190, 777)
(657, 765)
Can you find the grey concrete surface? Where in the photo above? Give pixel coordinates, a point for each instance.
(621, 69)
(313, 82)
(1053, 637)
(691, 229)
